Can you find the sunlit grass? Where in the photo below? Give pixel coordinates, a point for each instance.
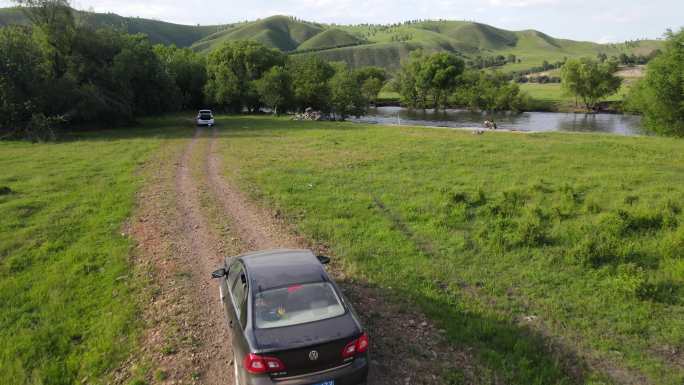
(68, 297)
(581, 233)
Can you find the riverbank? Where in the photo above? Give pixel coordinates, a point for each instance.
(547, 97)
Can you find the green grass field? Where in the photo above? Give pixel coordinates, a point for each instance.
(550, 96)
(556, 257)
(68, 295)
(513, 243)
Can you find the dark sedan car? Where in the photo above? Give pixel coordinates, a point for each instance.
(289, 321)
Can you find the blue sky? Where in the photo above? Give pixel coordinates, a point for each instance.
(595, 20)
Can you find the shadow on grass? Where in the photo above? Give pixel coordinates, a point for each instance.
(516, 354)
(180, 126)
(505, 352)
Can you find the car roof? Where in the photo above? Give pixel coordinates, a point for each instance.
(277, 268)
(204, 110)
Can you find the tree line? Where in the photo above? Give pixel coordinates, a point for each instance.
(246, 75)
(442, 79)
(659, 96)
(56, 71)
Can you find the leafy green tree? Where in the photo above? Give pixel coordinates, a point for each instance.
(432, 78)
(441, 72)
(150, 88)
(371, 80)
(55, 25)
(232, 71)
(24, 71)
(188, 70)
(660, 94)
(275, 89)
(412, 92)
(90, 90)
(346, 97)
(489, 92)
(310, 76)
(590, 80)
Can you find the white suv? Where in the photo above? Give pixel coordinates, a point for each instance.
(205, 118)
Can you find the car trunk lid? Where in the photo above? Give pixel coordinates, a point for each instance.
(311, 347)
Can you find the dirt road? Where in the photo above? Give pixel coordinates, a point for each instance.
(189, 217)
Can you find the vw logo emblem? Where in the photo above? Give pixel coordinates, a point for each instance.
(313, 355)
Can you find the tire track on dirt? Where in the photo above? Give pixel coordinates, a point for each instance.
(203, 252)
(186, 338)
(406, 347)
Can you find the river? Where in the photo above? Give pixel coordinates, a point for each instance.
(526, 121)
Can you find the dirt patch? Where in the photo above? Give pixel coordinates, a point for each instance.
(635, 72)
(186, 340)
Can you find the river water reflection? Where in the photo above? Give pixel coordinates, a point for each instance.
(526, 121)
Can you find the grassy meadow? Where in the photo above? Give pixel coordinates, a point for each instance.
(551, 97)
(68, 295)
(557, 258)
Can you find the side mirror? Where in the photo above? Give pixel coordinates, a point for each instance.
(323, 259)
(218, 273)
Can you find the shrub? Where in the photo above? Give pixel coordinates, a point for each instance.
(596, 249)
(622, 222)
(672, 246)
(593, 206)
(629, 280)
(531, 231)
(667, 292)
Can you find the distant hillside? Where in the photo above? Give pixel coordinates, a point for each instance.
(159, 32)
(281, 32)
(330, 38)
(387, 45)
(359, 45)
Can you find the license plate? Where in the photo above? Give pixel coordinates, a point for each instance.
(331, 382)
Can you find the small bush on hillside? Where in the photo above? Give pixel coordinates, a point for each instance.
(631, 199)
(623, 222)
(596, 249)
(532, 231)
(629, 280)
(459, 197)
(667, 292)
(672, 246)
(507, 205)
(457, 214)
(593, 206)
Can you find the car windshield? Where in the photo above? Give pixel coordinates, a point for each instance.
(296, 304)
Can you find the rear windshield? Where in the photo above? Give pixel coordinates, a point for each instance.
(205, 116)
(296, 304)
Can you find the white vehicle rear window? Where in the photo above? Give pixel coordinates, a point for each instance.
(296, 304)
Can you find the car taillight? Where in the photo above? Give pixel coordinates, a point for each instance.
(362, 343)
(260, 364)
(358, 345)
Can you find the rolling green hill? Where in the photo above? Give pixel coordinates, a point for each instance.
(358, 45)
(330, 38)
(281, 32)
(158, 31)
(387, 45)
